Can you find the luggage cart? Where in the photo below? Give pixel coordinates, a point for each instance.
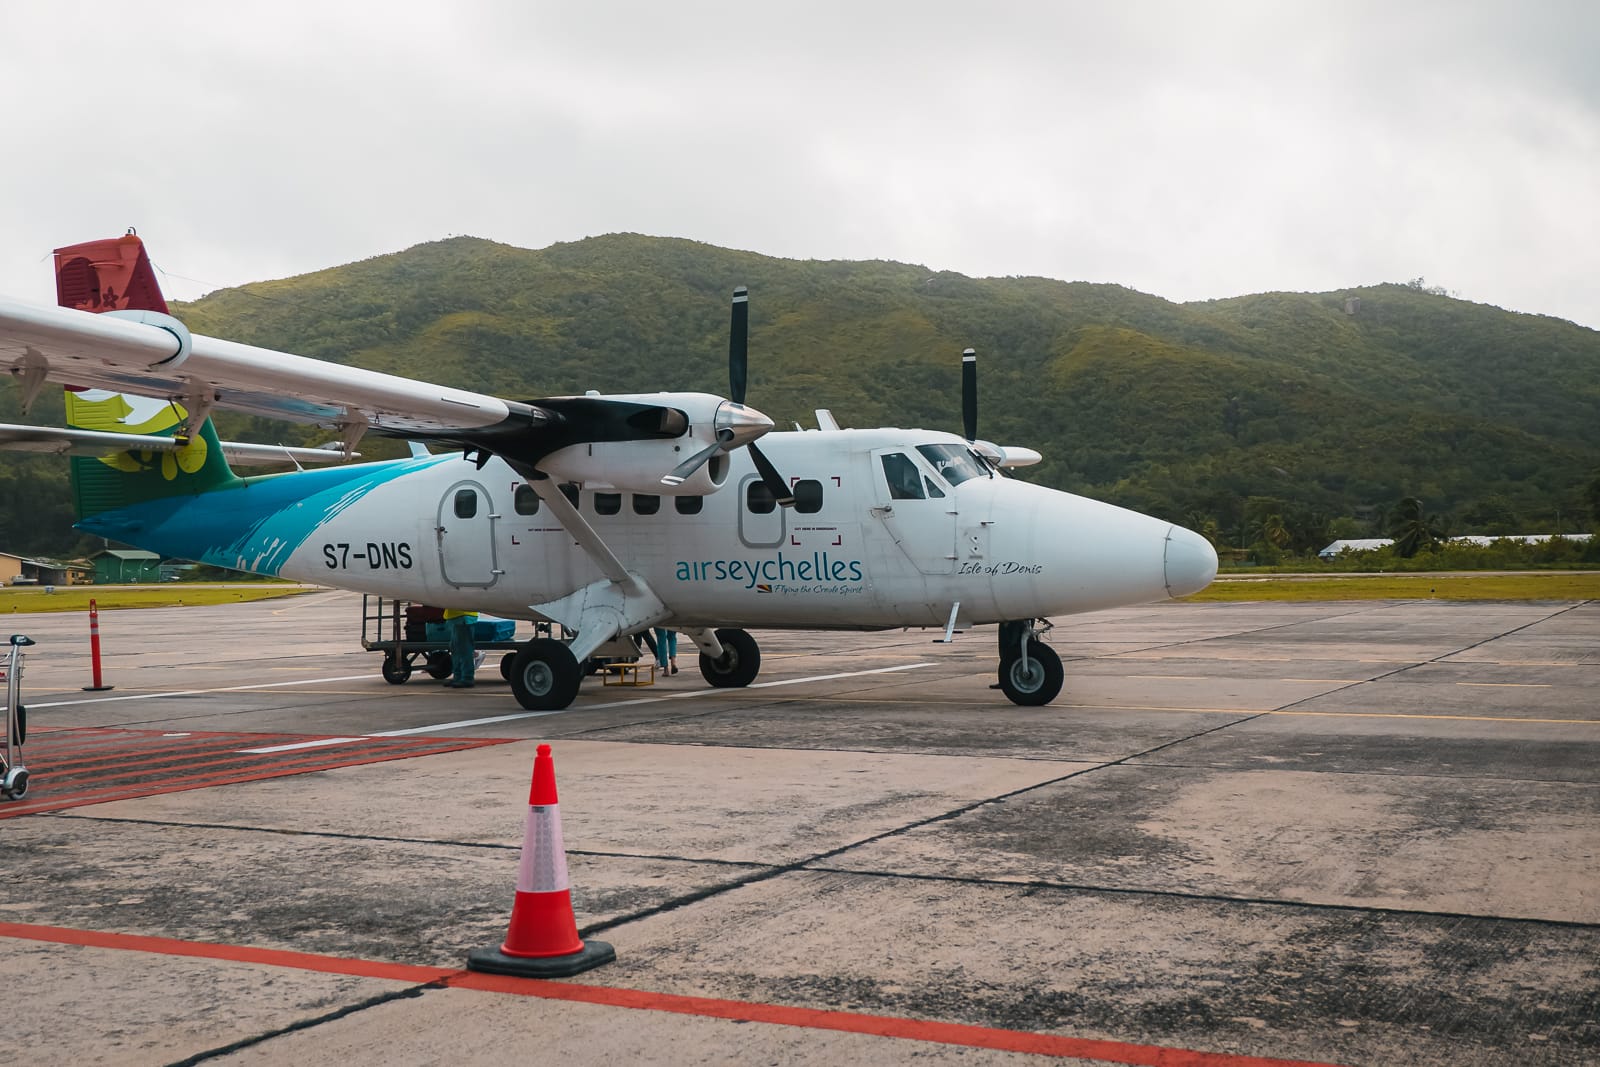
(13, 775)
(383, 629)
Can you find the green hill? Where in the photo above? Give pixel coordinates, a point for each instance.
(1225, 410)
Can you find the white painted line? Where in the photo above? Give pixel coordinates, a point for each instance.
(465, 724)
(299, 745)
(847, 674)
(202, 692)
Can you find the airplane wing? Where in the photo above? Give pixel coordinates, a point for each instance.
(71, 442)
(153, 354)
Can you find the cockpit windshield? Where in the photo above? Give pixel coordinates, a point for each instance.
(955, 463)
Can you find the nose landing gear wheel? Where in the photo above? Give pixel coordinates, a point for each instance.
(739, 664)
(544, 676)
(1035, 682)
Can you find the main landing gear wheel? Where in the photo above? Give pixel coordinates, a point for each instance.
(396, 669)
(506, 662)
(739, 663)
(1035, 682)
(438, 665)
(544, 676)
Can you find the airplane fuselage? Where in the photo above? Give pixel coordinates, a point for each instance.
(891, 528)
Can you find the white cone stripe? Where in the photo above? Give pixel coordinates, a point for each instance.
(544, 857)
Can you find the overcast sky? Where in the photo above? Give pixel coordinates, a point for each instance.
(1190, 150)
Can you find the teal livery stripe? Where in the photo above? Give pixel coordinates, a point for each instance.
(254, 524)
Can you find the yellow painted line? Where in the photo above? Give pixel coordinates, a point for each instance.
(1521, 663)
(1321, 714)
(1455, 718)
(1508, 685)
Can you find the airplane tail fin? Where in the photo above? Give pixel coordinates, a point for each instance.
(115, 275)
(108, 275)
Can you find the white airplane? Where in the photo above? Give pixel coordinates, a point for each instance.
(604, 514)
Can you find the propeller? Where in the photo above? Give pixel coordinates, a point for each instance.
(969, 411)
(737, 424)
(969, 394)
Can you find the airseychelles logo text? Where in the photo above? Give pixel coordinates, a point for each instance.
(819, 568)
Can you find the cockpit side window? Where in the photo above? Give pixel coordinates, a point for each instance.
(905, 480)
(955, 463)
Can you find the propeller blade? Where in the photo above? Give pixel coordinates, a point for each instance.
(769, 474)
(739, 344)
(969, 393)
(682, 471)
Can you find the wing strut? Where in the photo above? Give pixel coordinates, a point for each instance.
(620, 603)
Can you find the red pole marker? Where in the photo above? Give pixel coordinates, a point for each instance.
(94, 649)
(543, 940)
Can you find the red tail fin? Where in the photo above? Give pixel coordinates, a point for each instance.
(109, 275)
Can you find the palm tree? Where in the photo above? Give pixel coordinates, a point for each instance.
(1273, 531)
(1413, 529)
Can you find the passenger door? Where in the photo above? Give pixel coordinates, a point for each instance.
(465, 530)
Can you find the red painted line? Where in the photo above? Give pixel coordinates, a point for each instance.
(186, 756)
(143, 758)
(260, 772)
(932, 1032)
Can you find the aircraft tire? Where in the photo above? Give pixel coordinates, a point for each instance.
(506, 663)
(438, 665)
(740, 663)
(544, 676)
(395, 670)
(1039, 683)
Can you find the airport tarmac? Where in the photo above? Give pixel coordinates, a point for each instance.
(1244, 834)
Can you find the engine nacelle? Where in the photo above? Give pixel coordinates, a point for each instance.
(638, 466)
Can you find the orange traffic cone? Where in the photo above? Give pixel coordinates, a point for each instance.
(543, 940)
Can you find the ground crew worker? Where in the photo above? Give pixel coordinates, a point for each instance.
(463, 663)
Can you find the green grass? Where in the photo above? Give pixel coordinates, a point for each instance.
(111, 597)
(1530, 585)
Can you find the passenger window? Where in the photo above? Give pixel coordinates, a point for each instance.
(808, 496)
(688, 505)
(646, 503)
(570, 491)
(759, 499)
(466, 503)
(607, 503)
(905, 481)
(525, 500)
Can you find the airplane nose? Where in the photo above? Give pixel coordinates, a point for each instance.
(1190, 562)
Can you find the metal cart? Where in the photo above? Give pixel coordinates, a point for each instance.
(383, 629)
(13, 775)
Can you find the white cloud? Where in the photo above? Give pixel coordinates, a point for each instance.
(1187, 150)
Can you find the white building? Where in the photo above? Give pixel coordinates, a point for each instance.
(1364, 544)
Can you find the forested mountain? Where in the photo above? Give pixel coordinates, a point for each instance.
(1301, 407)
